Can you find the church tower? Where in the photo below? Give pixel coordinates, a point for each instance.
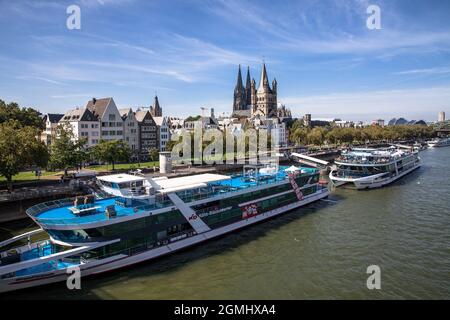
(156, 110)
(266, 97)
(239, 102)
(253, 101)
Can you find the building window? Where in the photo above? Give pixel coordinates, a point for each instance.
(112, 117)
(119, 133)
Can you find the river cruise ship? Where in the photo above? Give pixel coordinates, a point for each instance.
(436, 143)
(132, 219)
(366, 168)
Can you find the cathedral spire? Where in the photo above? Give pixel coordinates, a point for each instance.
(239, 84)
(264, 82)
(156, 110)
(156, 103)
(248, 82)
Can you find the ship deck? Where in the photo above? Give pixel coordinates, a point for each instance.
(60, 212)
(39, 252)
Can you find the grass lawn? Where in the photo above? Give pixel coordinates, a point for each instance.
(30, 176)
(124, 166)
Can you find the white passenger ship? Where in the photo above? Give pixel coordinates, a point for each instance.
(141, 219)
(442, 142)
(366, 168)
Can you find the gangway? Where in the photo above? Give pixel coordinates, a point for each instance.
(310, 161)
(194, 220)
(19, 237)
(403, 146)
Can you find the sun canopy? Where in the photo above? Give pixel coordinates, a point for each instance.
(292, 169)
(119, 178)
(189, 182)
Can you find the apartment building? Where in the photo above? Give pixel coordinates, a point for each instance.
(51, 121)
(163, 132)
(106, 112)
(130, 129)
(84, 125)
(148, 135)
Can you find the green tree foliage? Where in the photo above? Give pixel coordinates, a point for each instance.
(316, 136)
(336, 135)
(111, 151)
(24, 116)
(19, 149)
(299, 135)
(153, 154)
(66, 151)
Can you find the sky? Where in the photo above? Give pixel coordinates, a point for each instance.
(325, 59)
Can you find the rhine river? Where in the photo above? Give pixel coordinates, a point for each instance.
(320, 251)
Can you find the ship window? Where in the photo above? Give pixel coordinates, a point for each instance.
(161, 234)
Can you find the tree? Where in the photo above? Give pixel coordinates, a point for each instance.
(316, 136)
(19, 149)
(299, 135)
(66, 150)
(24, 116)
(111, 151)
(153, 154)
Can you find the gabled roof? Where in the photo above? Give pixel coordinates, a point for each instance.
(79, 115)
(141, 115)
(53, 117)
(98, 106)
(124, 112)
(160, 121)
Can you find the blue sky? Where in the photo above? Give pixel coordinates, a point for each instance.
(326, 61)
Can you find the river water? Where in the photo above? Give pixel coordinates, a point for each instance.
(321, 251)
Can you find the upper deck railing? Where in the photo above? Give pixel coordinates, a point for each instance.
(160, 201)
(372, 159)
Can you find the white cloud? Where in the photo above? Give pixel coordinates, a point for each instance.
(427, 71)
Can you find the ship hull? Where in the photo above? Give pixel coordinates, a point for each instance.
(365, 183)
